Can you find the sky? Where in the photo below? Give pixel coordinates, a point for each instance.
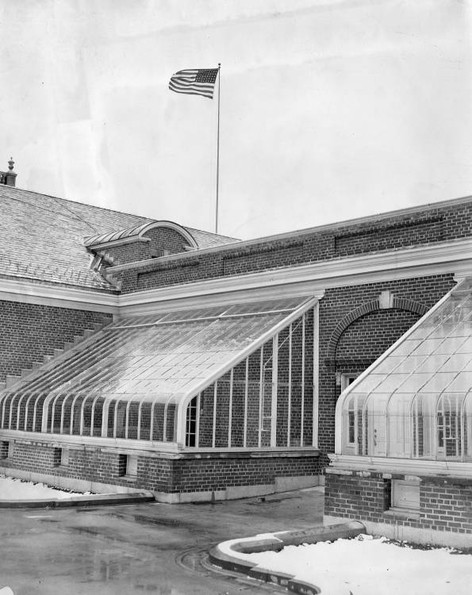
(329, 109)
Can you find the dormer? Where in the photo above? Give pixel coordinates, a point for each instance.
(152, 239)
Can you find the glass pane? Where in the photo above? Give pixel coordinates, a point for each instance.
(462, 383)
(457, 362)
(438, 382)
(400, 426)
(419, 397)
(155, 359)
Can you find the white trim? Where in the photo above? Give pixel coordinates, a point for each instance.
(124, 445)
(452, 257)
(316, 373)
(448, 257)
(151, 448)
(28, 292)
(390, 465)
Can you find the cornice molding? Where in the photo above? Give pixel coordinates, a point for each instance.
(453, 257)
(26, 292)
(391, 465)
(299, 234)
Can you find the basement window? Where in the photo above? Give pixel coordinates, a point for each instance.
(4, 449)
(405, 495)
(128, 466)
(61, 457)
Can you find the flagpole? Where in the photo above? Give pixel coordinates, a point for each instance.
(218, 150)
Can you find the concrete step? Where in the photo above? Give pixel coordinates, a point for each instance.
(3, 385)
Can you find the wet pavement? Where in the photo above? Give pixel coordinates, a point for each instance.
(141, 548)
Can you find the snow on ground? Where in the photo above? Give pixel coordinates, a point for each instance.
(372, 566)
(16, 489)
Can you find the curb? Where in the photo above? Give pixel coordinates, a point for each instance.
(92, 500)
(277, 543)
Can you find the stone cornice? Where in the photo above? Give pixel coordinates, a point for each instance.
(391, 465)
(311, 279)
(26, 292)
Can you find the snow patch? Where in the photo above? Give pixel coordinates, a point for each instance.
(371, 566)
(17, 489)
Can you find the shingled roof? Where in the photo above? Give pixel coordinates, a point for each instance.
(42, 237)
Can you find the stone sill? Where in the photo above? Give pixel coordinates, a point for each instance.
(403, 513)
(251, 454)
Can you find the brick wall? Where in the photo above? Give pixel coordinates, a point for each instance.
(445, 503)
(31, 331)
(186, 474)
(428, 226)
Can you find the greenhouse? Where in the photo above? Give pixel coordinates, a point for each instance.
(415, 402)
(217, 377)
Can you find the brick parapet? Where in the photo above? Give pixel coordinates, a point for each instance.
(430, 225)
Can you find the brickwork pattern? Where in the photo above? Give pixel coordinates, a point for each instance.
(445, 504)
(162, 240)
(195, 474)
(31, 331)
(431, 225)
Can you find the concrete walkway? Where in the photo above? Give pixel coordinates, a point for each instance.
(145, 548)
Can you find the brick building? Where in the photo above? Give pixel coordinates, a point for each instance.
(141, 354)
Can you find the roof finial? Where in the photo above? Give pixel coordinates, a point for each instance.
(11, 164)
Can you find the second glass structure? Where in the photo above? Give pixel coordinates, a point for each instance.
(415, 401)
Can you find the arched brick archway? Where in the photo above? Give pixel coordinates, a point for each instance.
(365, 309)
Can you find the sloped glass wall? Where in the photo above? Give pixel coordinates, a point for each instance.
(415, 401)
(218, 377)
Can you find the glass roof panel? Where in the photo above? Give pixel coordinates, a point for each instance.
(407, 347)
(461, 383)
(459, 362)
(429, 364)
(162, 356)
(438, 382)
(403, 365)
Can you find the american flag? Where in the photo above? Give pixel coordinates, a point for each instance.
(194, 82)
